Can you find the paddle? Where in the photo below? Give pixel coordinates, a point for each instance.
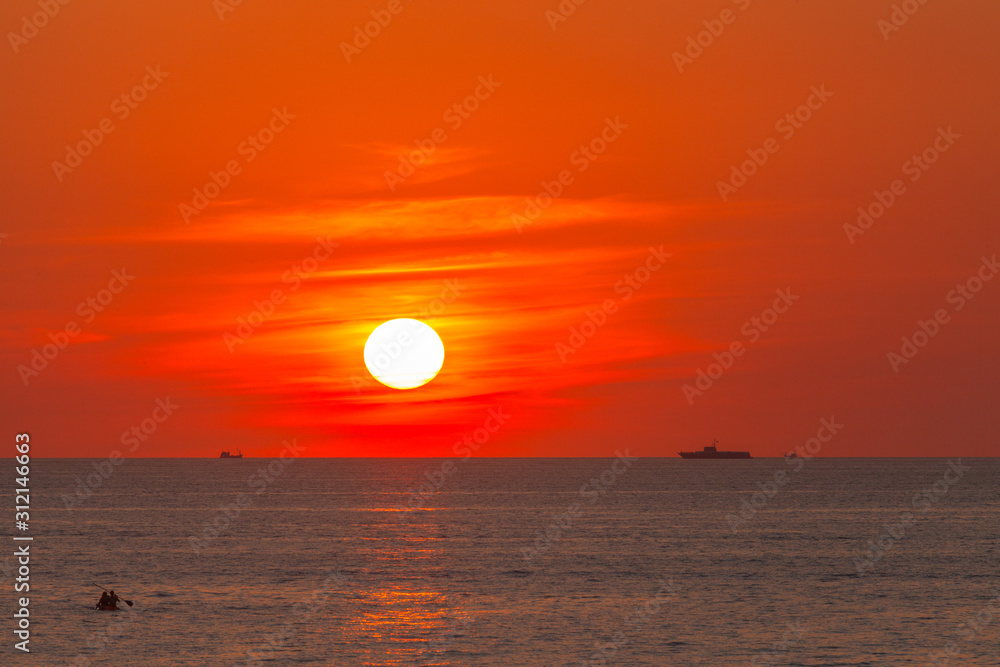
(128, 602)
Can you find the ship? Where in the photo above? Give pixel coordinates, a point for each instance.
(227, 455)
(711, 452)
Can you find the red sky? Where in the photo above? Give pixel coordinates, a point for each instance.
(679, 129)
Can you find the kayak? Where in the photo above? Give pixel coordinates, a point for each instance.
(106, 607)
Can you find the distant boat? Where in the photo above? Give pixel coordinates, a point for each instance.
(710, 452)
(791, 455)
(227, 455)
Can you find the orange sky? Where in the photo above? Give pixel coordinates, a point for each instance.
(336, 128)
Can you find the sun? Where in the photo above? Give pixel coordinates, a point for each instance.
(404, 353)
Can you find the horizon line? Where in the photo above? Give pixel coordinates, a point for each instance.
(676, 457)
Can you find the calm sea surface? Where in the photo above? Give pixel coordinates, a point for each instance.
(514, 562)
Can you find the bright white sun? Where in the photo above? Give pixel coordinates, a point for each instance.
(404, 353)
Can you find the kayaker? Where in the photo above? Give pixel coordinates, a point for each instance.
(105, 600)
(113, 599)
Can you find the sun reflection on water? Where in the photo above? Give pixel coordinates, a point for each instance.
(407, 620)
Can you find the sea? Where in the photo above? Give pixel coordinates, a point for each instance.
(576, 561)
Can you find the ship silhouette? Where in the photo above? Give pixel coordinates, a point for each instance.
(711, 452)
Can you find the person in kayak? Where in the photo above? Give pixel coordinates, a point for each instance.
(113, 599)
(105, 600)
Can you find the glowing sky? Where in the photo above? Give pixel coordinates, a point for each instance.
(560, 166)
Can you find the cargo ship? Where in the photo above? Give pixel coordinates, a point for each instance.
(711, 452)
(227, 455)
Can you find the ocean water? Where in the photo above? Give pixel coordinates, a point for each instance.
(516, 562)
